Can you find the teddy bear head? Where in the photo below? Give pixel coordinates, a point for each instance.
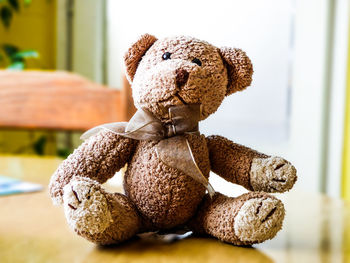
(184, 70)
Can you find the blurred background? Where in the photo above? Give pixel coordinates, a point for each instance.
(298, 105)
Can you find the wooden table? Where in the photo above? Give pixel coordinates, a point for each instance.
(316, 229)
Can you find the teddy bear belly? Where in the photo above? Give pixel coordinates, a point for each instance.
(163, 195)
(165, 202)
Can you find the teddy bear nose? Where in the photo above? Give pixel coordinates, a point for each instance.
(181, 77)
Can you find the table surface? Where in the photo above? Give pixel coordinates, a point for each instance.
(316, 229)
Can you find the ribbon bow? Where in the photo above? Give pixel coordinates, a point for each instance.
(173, 149)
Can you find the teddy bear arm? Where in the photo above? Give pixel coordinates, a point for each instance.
(231, 161)
(98, 158)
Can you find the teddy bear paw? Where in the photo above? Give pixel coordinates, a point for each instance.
(273, 175)
(259, 219)
(86, 206)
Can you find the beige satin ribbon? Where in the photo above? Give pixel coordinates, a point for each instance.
(173, 149)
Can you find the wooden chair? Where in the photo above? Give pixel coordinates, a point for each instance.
(56, 100)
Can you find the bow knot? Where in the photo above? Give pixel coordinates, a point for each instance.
(170, 130)
(173, 149)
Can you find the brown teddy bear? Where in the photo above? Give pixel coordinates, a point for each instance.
(176, 82)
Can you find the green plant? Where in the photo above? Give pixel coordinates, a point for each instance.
(8, 8)
(14, 58)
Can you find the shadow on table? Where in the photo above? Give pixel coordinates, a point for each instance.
(191, 249)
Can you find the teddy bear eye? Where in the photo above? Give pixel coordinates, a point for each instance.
(166, 55)
(197, 61)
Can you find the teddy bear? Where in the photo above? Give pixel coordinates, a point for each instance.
(176, 83)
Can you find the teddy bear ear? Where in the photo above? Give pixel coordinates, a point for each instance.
(135, 53)
(239, 69)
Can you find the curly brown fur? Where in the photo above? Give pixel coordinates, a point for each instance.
(231, 161)
(154, 85)
(135, 54)
(216, 216)
(98, 158)
(164, 195)
(240, 69)
(101, 217)
(169, 72)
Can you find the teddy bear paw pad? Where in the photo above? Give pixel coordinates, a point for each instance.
(259, 219)
(86, 207)
(272, 175)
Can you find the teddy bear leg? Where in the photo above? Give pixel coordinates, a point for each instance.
(101, 217)
(245, 220)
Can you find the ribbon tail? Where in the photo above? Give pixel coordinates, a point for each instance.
(176, 153)
(211, 190)
(209, 187)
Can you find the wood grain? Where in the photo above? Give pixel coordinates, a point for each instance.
(58, 100)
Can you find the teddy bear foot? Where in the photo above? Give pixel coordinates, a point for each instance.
(245, 220)
(86, 206)
(101, 217)
(259, 219)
